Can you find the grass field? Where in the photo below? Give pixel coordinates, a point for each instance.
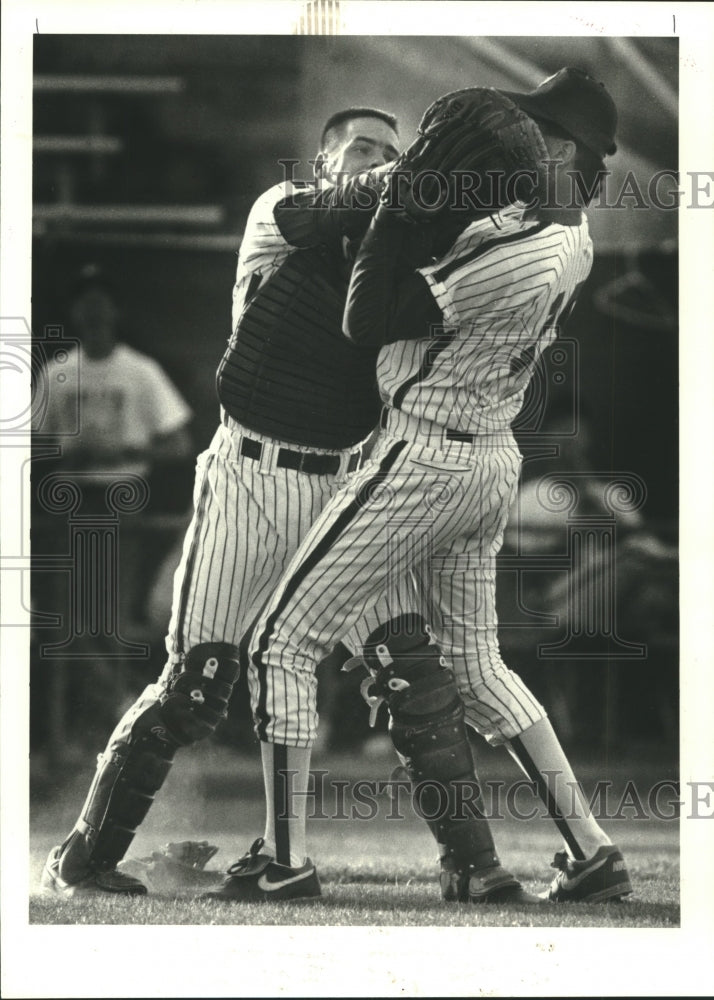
(380, 871)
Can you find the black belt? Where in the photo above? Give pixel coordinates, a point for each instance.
(460, 436)
(450, 435)
(302, 461)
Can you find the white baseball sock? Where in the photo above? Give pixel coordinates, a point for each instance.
(539, 754)
(286, 771)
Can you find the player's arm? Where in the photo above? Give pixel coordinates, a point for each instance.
(388, 299)
(324, 216)
(262, 249)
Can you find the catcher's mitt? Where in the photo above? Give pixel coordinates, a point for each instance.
(176, 866)
(475, 153)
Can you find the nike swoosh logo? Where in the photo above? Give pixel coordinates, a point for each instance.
(573, 883)
(267, 886)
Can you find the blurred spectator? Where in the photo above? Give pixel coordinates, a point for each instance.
(115, 413)
(132, 420)
(131, 416)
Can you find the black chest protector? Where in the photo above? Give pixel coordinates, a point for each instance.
(288, 371)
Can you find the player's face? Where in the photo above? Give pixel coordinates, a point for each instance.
(363, 143)
(94, 318)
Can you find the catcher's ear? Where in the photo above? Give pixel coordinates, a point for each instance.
(563, 150)
(320, 165)
(570, 150)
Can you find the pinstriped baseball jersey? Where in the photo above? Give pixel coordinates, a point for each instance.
(263, 248)
(502, 289)
(250, 515)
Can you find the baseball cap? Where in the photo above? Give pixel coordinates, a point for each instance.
(90, 276)
(577, 103)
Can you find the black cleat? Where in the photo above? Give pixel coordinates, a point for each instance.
(601, 879)
(496, 885)
(258, 877)
(454, 882)
(486, 885)
(94, 883)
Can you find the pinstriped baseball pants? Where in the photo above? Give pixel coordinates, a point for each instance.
(249, 520)
(435, 513)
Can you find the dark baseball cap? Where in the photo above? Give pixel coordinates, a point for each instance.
(90, 276)
(577, 103)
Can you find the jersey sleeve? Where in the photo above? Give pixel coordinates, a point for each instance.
(388, 299)
(324, 216)
(263, 249)
(262, 238)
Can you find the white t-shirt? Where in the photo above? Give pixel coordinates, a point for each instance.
(122, 401)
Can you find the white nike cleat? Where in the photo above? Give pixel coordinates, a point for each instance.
(258, 877)
(601, 879)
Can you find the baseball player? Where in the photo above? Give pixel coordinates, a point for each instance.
(297, 404)
(459, 334)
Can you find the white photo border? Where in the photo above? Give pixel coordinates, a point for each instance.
(59, 961)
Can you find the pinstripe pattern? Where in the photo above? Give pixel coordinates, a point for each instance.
(497, 286)
(442, 508)
(355, 554)
(248, 522)
(309, 564)
(263, 248)
(191, 543)
(249, 516)
(249, 519)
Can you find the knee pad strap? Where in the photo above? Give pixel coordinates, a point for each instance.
(427, 715)
(198, 694)
(428, 729)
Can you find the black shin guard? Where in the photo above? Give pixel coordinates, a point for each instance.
(127, 778)
(428, 731)
(131, 772)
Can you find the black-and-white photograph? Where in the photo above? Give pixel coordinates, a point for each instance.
(342, 490)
